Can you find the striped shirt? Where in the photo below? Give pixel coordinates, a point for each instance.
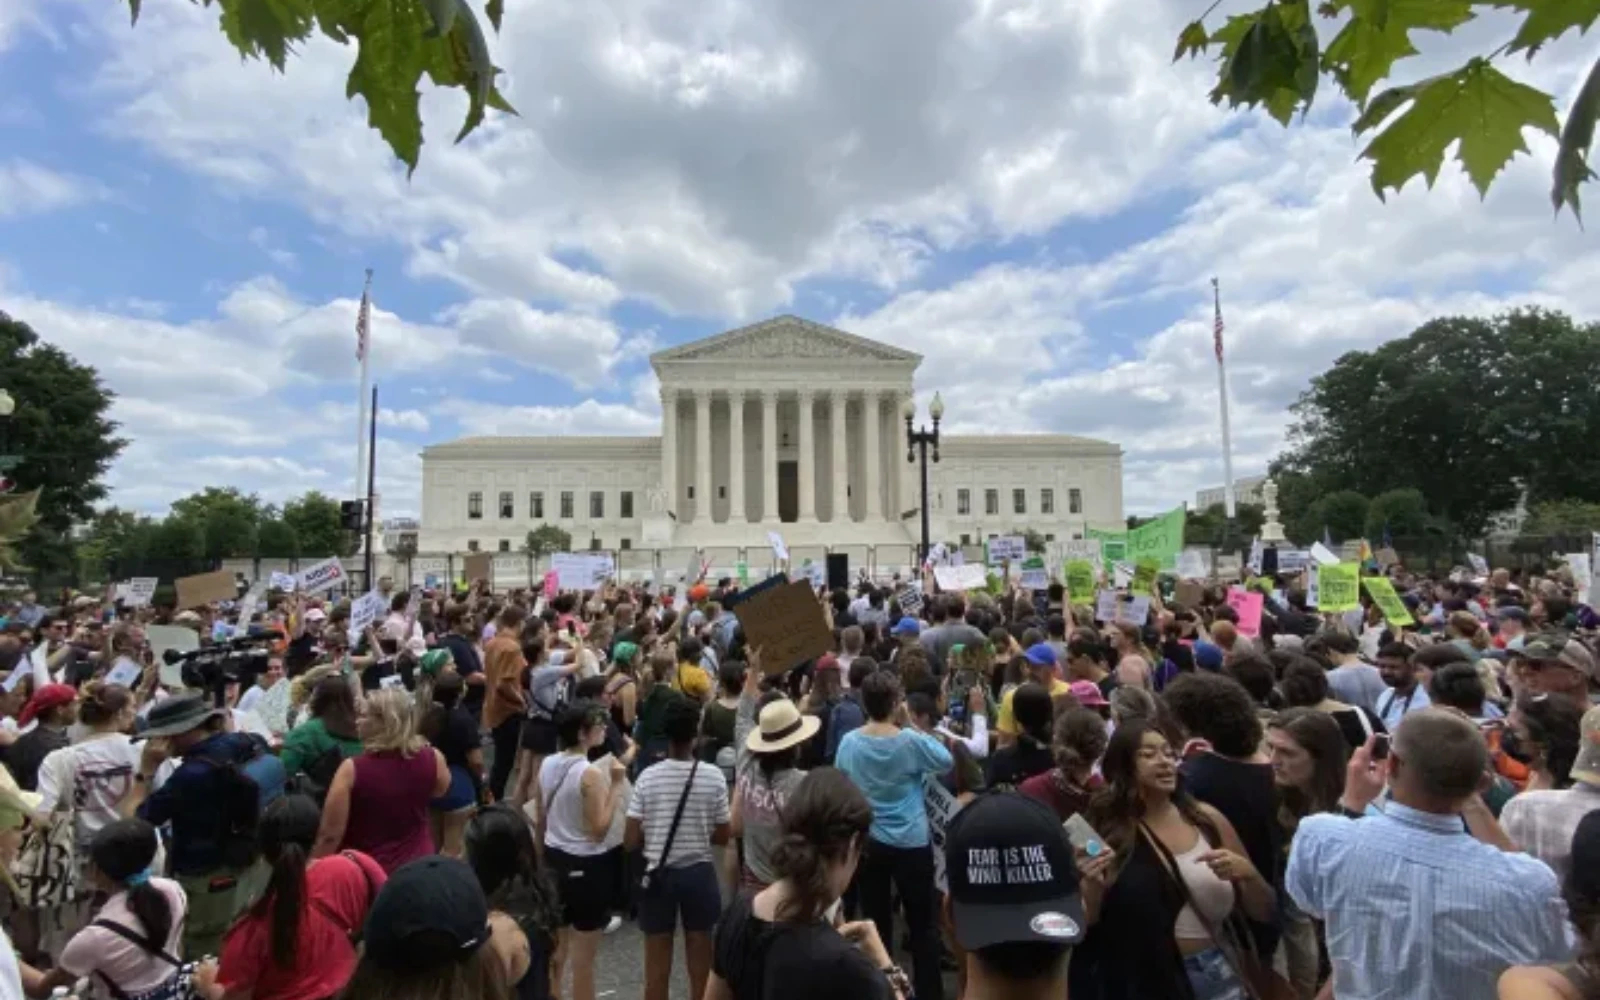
(1542, 822)
(655, 801)
(1417, 909)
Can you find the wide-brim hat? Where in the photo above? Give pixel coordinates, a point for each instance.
(175, 716)
(780, 727)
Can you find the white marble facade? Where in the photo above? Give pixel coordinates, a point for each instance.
(785, 425)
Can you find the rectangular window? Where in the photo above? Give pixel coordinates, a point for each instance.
(472, 545)
(1047, 501)
(991, 501)
(594, 544)
(625, 501)
(1074, 501)
(966, 540)
(475, 506)
(506, 511)
(1049, 538)
(566, 505)
(536, 506)
(963, 502)
(1019, 501)
(505, 545)
(597, 505)
(691, 493)
(627, 543)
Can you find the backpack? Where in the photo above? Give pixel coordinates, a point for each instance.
(562, 691)
(46, 867)
(246, 786)
(314, 779)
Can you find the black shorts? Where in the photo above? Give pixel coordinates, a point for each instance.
(587, 885)
(539, 736)
(690, 892)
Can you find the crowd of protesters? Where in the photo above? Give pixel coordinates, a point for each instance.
(990, 795)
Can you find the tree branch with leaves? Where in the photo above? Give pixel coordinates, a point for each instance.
(1274, 58)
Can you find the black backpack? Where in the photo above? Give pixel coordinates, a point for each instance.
(245, 786)
(316, 776)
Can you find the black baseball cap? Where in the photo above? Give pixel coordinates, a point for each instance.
(1011, 873)
(430, 912)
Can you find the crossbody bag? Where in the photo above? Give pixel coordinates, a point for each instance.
(651, 882)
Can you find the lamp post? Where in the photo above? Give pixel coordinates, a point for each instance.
(917, 443)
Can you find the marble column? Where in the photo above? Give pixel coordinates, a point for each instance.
(669, 447)
(736, 510)
(841, 467)
(769, 456)
(872, 430)
(808, 456)
(702, 456)
(910, 497)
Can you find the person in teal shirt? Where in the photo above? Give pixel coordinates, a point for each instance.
(331, 723)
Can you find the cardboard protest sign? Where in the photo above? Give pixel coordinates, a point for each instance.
(323, 576)
(786, 623)
(1081, 580)
(1339, 587)
(1190, 594)
(1248, 605)
(1388, 601)
(738, 597)
(206, 588)
(1387, 557)
(478, 566)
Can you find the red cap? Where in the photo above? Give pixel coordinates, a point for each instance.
(828, 662)
(43, 700)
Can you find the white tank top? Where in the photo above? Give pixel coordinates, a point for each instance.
(1213, 895)
(561, 792)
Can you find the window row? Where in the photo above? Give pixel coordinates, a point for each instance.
(597, 505)
(1019, 501)
(504, 545)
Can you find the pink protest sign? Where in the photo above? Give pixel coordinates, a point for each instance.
(1248, 604)
(552, 585)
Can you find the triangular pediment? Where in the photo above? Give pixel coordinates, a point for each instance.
(785, 337)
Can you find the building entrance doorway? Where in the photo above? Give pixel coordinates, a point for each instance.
(789, 491)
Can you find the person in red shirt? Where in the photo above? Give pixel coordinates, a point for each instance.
(295, 943)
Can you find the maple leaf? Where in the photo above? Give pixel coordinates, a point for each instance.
(1191, 41)
(265, 28)
(1548, 20)
(1572, 158)
(1269, 58)
(1477, 109)
(1378, 35)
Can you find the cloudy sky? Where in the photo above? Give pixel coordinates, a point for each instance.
(1027, 192)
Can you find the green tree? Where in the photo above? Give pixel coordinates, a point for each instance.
(227, 518)
(1034, 540)
(1464, 408)
(1275, 57)
(111, 534)
(1403, 513)
(545, 539)
(314, 517)
(275, 539)
(1209, 527)
(176, 547)
(397, 43)
(1342, 514)
(63, 437)
(1562, 517)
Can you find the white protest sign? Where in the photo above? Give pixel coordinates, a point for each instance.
(1294, 560)
(1192, 565)
(1034, 576)
(1480, 565)
(248, 604)
(1121, 575)
(1134, 609)
(1578, 562)
(942, 807)
(960, 577)
(1105, 605)
(366, 610)
(284, 582)
(125, 673)
(140, 591)
(780, 551)
(14, 678)
(1254, 562)
(581, 570)
(324, 576)
(1319, 552)
(1008, 547)
(1087, 549)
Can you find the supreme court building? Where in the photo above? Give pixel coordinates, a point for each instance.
(784, 425)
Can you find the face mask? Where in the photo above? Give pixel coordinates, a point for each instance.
(1511, 746)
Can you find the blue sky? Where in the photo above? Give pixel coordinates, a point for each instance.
(977, 182)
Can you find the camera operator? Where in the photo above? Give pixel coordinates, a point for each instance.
(210, 803)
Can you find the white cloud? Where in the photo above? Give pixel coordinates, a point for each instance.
(589, 417)
(28, 188)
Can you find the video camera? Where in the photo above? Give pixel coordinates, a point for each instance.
(212, 668)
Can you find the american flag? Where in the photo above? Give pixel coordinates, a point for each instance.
(364, 315)
(1216, 326)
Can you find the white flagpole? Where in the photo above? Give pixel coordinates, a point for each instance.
(1222, 395)
(364, 353)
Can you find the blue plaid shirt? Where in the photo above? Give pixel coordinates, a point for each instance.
(1417, 909)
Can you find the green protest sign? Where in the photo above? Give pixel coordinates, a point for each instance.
(1160, 539)
(1338, 587)
(1080, 574)
(1113, 545)
(1388, 601)
(743, 570)
(1144, 576)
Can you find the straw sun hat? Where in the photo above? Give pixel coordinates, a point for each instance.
(780, 727)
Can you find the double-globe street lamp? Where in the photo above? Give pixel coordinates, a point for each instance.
(918, 441)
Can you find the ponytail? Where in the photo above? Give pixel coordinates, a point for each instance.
(123, 851)
(286, 833)
(151, 906)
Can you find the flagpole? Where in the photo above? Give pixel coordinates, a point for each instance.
(364, 353)
(1222, 395)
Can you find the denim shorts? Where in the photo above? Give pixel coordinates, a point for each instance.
(1211, 977)
(690, 891)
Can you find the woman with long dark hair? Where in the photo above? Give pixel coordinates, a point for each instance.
(1173, 863)
(295, 942)
(454, 733)
(1541, 732)
(320, 742)
(786, 940)
(115, 949)
(1029, 753)
(500, 850)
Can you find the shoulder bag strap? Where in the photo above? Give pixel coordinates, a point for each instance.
(677, 817)
(550, 800)
(1219, 935)
(130, 934)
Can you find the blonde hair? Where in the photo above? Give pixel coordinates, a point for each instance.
(395, 712)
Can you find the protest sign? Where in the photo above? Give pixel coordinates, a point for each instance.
(1338, 587)
(140, 590)
(206, 588)
(249, 603)
(1121, 575)
(780, 551)
(580, 570)
(941, 807)
(1034, 575)
(1144, 576)
(738, 597)
(1388, 601)
(1192, 564)
(741, 571)
(178, 638)
(322, 576)
(1008, 548)
(1321, 554)
(1480, 565)
(786, 623)
(1113, 544)
(960, 577)
(1190, 594)
(1081, 579)
(1247, 604)
(1133, 609)
(1387, 557)
(367, 609)
(909, 597)
(478, 566)
(1087, 549)
(284, 582)
(1105, 606)
(1160, 539)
